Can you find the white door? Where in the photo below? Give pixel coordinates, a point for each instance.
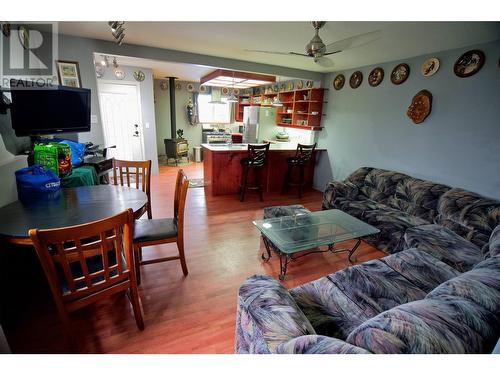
(121, 119)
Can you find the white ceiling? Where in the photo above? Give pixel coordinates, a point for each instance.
(162, 69)
(230, 39)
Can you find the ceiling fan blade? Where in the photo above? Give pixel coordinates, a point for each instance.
(299, 54)
(271, 52)
(352, 42)
(325, 62)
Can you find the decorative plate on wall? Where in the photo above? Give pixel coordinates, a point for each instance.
(236, 92)
(290, 86)
(203, 88)
(225, 91)
(400, 73)
(420, 107)
(376, 76)
(356, 79)
(469, 63)
(178, 86)
(139, 75)
(300, 85)
(309, 84)
(430, 67)
(339, 82)
(6, 29)
(190, 87)
(164, 85)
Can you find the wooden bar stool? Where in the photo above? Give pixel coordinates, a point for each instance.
(256, 160)
(300, 160)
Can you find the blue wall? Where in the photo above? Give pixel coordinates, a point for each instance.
(458, 144)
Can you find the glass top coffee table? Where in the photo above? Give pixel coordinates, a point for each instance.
(288, 235)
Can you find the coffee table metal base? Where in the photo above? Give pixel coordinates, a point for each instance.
(286, 258)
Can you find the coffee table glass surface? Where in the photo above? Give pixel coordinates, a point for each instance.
(291, 234)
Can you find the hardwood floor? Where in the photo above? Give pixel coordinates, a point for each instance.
(193, 314)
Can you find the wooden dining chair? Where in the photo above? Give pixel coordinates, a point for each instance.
(138, 173)
(161, 231)
(87, 263)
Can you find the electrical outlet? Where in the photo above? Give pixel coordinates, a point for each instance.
(146, 125)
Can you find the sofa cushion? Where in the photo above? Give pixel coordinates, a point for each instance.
(420, 268)
(444, 245)
(418, 197)
(392, 224)
(316, 344)
(375, 287)
(429, 326)
(329, 310)
(468, 214)
(481, 286)
(380, 185)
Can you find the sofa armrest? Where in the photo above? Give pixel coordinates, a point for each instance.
(267, 316)
(494, 243)
(336, 190)
(317, 344)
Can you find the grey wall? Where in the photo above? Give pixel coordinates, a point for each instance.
(458, 144)
(147, 107)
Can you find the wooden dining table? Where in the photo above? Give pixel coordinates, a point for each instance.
(67, 207)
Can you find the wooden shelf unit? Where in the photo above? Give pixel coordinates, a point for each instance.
(243, 101)
(298, 108)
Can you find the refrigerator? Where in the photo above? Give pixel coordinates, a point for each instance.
(251, 124)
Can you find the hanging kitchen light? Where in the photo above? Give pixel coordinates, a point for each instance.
(232, 98)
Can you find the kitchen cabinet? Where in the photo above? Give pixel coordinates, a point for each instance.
(302, 109)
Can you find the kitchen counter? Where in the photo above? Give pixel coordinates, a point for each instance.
(222, 168)
(282, 146)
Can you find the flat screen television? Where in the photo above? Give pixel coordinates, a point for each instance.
(42, 110)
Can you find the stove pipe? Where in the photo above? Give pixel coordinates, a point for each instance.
(173, 127)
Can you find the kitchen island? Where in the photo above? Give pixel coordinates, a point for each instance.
(222, 169)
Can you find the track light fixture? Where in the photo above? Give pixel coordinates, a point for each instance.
(117, 30)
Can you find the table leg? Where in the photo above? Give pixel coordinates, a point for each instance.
(284, 260)
(268, 249)
(351, 252)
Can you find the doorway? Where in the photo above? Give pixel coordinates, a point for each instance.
(121, 119)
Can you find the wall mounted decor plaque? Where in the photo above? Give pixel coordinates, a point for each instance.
(356, 79)
(469, 63)
(430, 67)
(376, 76)
(420, 107)
(338, 82)
(400, 73)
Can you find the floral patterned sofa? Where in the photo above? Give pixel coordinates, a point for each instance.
(408, 302)
(394, 203)
(438, 292)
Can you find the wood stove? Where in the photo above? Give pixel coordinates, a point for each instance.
(176, 149)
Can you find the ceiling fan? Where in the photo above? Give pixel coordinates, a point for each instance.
(319, 50)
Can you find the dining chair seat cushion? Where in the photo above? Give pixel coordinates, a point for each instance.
(94, 264)
(155, 229)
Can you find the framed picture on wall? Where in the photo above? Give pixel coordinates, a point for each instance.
(68, 73)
